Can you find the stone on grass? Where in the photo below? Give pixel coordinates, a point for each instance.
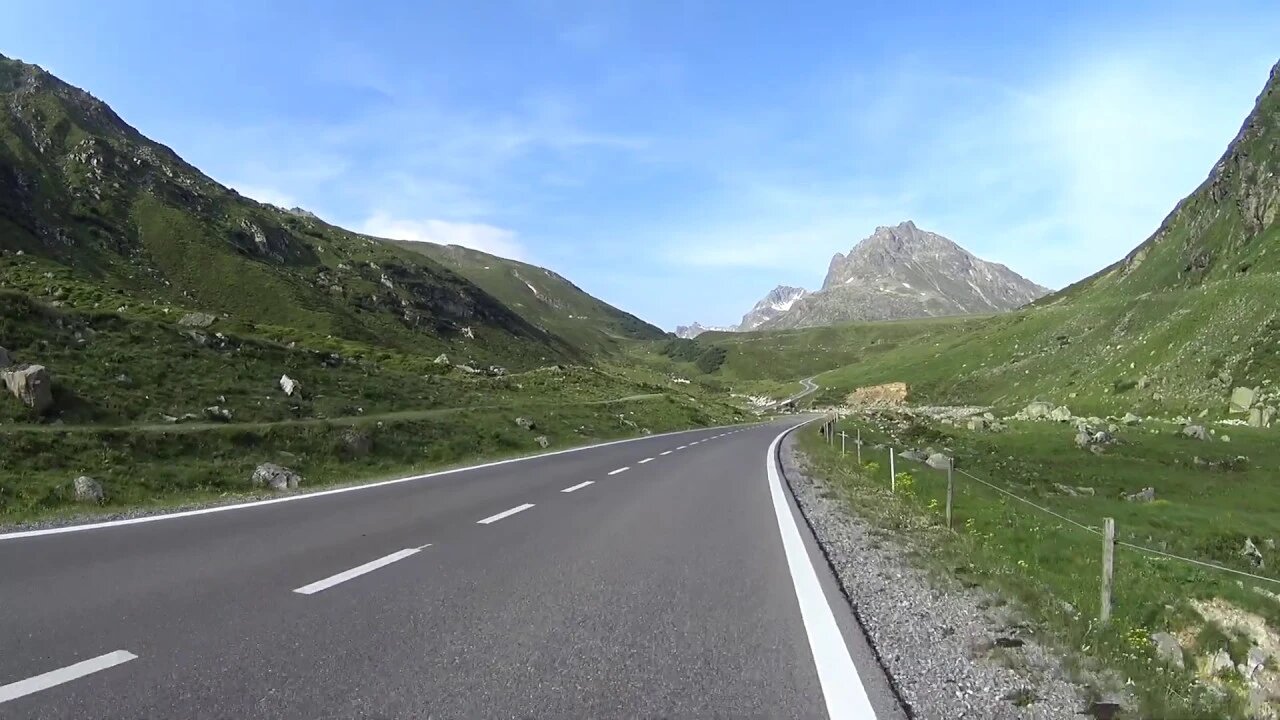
(200, 320)
(1242, 398)
(217, 413)
(938, 461)
(1084, 439)
(1168, 649)
(1037, 410)
(442, 359)
(978, 423)
(275, 477)
(1252, 552)
(542, 441)
(1216, 664)
(1060, 414)
(87, 490)
(1144, 495)
(1196, 431)
(31, 385)
(354, 443)
(1130, 419)
(915, 455)
(290, 386)
(525, 423)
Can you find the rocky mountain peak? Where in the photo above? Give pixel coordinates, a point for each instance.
(778, 301)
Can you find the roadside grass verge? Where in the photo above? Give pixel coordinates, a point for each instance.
(1052, 569)
(150, 469)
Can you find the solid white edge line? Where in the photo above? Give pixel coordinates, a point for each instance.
(648, 459)
(44, 681)
(579, 486)
(842, 687)
(620, 470)
(504, 514)
(665, 452)
(356, 572)
(20, 534)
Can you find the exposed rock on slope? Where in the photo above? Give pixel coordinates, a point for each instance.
(779, 301)
(905, 272)
(692, 331)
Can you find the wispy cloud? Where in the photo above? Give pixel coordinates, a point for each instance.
(477, 236)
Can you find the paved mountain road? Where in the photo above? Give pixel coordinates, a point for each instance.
(556, 586)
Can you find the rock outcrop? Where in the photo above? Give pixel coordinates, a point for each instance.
(30, 384)
(275, 477)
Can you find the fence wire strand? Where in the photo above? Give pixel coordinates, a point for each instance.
(1132, 546)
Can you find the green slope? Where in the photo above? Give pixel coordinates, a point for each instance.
(106, 219)
(542, 297)
(1189, 314)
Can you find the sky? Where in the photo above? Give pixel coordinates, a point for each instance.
(680, 159)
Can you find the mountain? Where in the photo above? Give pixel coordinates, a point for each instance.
(779, 300)
(547, 300)
(904, 272)
(95, 215)
(689, 332)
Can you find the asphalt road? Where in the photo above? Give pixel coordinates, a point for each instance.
(557, 586)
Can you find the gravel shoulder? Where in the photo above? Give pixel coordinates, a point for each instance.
(951, 651)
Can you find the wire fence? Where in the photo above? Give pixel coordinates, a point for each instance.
(1106, 533)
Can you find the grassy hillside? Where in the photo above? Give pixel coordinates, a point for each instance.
(543, 298)
(93, 215)
(1188, 315)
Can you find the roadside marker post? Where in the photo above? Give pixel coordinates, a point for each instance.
(951, 486)
(893, 475)
(1108, 566)
(859, 444)
(843, 435)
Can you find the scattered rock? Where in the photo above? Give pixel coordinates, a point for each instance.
(217, 413)
(1083, 439)
(892, 394)
(87, 490)
(1130, 419)
(1074, 491)
(542, 441)
(1214, 665)
(30, 384)
(468, 333)
(1037, 410)
(354, 443)
(1252, 552)
(1144, 495)
(915, 455)
(197, 320)
(1242, 399)
(468, 369)
(1060, 414)
(275, 477)
(525, 423)
(442, 359)
(1168, 649)
(938, 461)
(124, 379)
(1196, 431)
(1224, 438)
(978, 423)
(290, 386)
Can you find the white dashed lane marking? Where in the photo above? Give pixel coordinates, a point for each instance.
(579, 486)
(665, 452)
(504, 514)
(356, 572)
(619, 470)
(648, 459)
(53, 678)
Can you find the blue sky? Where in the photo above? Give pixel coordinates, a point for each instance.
(681, 159)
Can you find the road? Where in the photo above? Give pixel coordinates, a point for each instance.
(669, 576)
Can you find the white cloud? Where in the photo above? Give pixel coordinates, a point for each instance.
(477, 236)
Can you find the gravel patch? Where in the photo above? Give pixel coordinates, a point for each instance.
(948, 650)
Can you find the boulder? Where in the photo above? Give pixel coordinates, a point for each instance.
(1242, 398)
(1168, 649)
(30, 384)
(978, 423)
(1252, 552)
(442, 359)
(5, 360)
(1060, 414)
(525, 423)
(1037, 410)
(290, 386)
(1214, 665)
(542, 441)
(199, 320)
(354, 443)
(1196, 431)
(1084, 439)
(275, 477)
(217, 413)
(915, 455)
(1144, 495)
(938, 461)
(1130, 419)
(1102, 437)
(87, 490)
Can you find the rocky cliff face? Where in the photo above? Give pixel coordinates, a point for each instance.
(779, 300)
(905, 272)
(694, 330)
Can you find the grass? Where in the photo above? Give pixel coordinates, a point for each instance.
(1048, 565)
(162, 468)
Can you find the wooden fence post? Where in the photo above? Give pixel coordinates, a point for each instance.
(951, 485)
(1108, 566)
(893, 476)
